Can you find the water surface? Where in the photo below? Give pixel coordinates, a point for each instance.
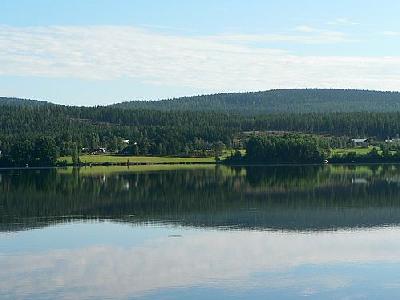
(203, 232)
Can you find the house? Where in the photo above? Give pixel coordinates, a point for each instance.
(125, 141)
(391, 140)
(99, 151)
(360, 142)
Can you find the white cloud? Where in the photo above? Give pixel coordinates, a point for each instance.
(309, 35)
(208, 63)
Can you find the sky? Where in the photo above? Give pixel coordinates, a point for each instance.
(96, 52)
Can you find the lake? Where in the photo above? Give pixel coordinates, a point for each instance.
(200, 232)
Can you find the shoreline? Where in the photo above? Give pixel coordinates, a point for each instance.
(193, 164)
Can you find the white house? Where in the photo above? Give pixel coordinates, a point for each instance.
(360, 142)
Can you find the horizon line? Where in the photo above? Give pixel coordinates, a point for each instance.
(202, 95)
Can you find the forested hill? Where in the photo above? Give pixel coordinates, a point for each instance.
(256, 103)
(27, 131)
(279, 101)
(21, 102)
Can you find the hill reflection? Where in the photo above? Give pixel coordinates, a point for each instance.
(278, 198)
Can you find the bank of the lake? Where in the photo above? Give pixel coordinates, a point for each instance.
(361, 156)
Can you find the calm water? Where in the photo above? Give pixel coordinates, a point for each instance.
(201, 233)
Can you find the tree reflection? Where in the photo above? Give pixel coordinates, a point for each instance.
(290, 198)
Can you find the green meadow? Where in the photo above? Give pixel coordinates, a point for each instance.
(357, 150)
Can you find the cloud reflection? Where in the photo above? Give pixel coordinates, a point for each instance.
(224, 259)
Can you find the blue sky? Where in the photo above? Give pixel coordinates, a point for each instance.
(105, 51)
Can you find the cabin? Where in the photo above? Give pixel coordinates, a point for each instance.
(124, 141)
(360, 142)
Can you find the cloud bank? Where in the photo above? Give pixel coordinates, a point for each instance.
(210, 63)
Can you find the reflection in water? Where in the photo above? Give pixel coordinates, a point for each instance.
(291, 198)
(245, 233)
(212, 259)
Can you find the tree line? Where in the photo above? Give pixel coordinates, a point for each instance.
(283, 149)
(154, 132)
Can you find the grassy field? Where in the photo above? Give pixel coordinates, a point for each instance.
(139, 159)
(109, 158)
(359, 151)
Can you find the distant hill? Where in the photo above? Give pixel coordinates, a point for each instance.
(279, 101)
(21, 102)
(267, 102)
